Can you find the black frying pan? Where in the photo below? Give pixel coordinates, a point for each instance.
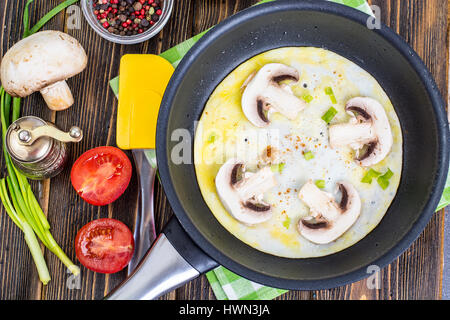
(201, 241)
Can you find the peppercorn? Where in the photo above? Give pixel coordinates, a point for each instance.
(137, 6)
(127, 17)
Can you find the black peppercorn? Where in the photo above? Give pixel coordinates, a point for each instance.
(127, 17)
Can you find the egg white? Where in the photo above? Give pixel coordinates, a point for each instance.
(224, 132)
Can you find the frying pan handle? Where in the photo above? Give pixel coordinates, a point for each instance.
(144, 231)
(173, 260)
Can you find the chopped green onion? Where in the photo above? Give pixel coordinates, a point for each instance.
(370, 175)
(329, 92)
(277, 167)
(383, 181)
(287, 222)
(329, 115)
(389, 174)
(333, 99)
(308, 155)
(308, 98)
(212, 137)
(320, 184)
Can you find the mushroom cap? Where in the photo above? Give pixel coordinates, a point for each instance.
(369, 128)
(40, 60)
(329, 220)
(241, 193)
(262, 92)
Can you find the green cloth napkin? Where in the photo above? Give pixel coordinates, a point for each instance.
(226, 284)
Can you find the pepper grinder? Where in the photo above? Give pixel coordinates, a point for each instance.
(38, 148)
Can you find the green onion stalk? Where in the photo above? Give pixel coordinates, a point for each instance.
(15, 192)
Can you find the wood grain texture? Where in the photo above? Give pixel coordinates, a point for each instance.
(414, 275)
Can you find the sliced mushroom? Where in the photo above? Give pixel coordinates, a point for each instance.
(241, 192)
(329, 219)
(42, 62)
(264, 94)
(369, 132)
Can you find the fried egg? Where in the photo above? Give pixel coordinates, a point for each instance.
(299, 150)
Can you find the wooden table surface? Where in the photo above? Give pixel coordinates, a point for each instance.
(416, 274)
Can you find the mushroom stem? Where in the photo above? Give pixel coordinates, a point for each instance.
(58, 96)
(320, 203)
(241, 193)
(370, 128)
(282, 100)
(355, 135)
(328, 219)
(256, 184)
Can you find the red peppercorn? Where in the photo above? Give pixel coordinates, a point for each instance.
(120, 16)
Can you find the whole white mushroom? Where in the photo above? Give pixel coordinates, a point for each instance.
(42, 62)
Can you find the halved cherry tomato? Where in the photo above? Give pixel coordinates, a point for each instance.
(104, 245)
(101, 175)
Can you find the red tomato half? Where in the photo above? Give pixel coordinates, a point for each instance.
(101, 175)
(104, 245)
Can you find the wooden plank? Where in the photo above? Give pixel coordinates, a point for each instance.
(416, 274)
(19, 278)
